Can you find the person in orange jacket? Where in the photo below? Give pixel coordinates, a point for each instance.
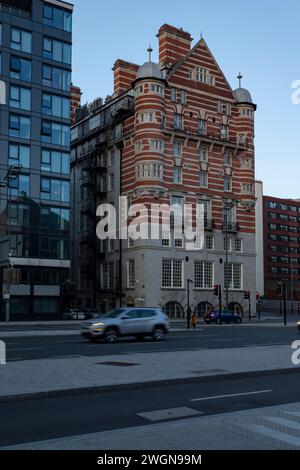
(194, 319)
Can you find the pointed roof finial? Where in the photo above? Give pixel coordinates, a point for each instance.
(239, 77)
(150, 50)
(201, 35)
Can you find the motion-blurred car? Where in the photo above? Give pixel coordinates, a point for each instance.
(226, 317)
(73, 314)
(138, 322)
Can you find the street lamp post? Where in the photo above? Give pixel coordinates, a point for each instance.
(228, 206)
(189, 281)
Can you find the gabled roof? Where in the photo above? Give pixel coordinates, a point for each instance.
(201, 42)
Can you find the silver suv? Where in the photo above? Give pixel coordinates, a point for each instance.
(138, 322)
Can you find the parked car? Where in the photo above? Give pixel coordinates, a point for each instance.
(138, 322)
(226, 317)
(73, 314)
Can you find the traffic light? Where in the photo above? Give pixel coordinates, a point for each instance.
(247, 295)
(280, 289)
(257, 296)
(217, 290)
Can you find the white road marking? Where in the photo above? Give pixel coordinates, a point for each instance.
(173, 413)
(231, 395)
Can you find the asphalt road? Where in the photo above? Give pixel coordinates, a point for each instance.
(75, 415)
(206, 337)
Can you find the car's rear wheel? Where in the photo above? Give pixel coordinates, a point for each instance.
(111, 335)
(158, 334)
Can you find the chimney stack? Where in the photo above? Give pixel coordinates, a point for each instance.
(174, 44)
(75, 101)
(124, 75)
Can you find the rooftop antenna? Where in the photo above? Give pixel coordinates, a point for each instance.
(240, 76)
(150, 50)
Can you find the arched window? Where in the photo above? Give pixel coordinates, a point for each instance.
(203, 308)
(235, 307)
(174, 310)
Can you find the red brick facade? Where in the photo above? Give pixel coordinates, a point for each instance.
(213, 102)
(75, 101)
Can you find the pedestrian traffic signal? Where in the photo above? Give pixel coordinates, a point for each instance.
(247, 295)
(217, 290)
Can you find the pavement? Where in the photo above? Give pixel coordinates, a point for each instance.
(271, 428)
(21, 380)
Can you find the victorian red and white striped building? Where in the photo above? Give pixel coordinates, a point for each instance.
(189, 139)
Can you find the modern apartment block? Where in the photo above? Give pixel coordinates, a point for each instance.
(35, 53)
(281, 246)
(172, 132)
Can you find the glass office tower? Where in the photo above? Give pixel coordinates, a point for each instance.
(35, 92)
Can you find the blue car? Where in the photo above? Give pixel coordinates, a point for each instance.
(226, 317)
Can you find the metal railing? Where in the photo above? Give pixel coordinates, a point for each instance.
(209, 136)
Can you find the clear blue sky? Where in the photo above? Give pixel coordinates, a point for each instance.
(260, 38)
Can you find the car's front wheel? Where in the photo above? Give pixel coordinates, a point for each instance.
(111, 335)
(158, 334)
